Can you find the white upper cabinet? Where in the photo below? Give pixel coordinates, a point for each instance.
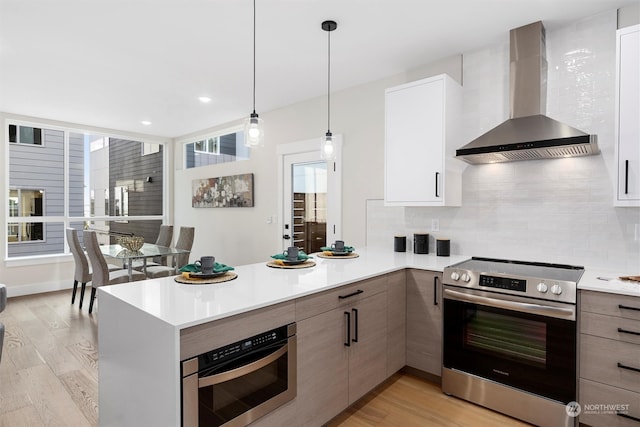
(627, 191)
(421, 123)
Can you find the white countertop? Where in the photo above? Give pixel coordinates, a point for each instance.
(600, 280)
(259, 286)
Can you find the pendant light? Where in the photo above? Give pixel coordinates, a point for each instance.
(253, 125)
(328, 149)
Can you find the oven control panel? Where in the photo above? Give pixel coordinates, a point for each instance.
(503, 283)
(236, 349)
(553, 282)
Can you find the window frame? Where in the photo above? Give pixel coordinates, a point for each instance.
(184, 142)
(15, 220)
(18, 138)
(66, 219)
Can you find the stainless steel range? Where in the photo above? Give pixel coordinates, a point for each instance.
(509, 340)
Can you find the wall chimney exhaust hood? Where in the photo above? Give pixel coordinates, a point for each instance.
(528, 134)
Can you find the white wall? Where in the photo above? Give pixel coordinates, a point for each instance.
(543, 210)
(552, 210)
(241, 235)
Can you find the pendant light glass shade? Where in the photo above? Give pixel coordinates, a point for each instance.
(327, 148)
(253, 131)
(253, 125)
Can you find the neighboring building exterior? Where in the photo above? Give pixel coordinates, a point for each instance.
(106, 177)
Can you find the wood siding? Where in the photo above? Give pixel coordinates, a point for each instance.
(128, 167)
(35, 167)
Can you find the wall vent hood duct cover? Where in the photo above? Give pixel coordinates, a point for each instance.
(528, 134)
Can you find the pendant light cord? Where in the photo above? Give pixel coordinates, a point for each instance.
(328, 83)
(254, 56)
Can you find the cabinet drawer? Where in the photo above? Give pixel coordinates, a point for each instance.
(600, 361)
(610, 304)
(593, 393)
(615, 328)
(349, 294)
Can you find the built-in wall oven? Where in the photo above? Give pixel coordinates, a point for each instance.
(509, 339)
(240, 382)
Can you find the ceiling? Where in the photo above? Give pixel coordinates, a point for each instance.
(115, 63)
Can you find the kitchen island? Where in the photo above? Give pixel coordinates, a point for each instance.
(143, 326)
(140, 324)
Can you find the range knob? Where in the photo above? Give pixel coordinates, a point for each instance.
(556, 290)
(542, 288)
(455, 276)
(465, 277)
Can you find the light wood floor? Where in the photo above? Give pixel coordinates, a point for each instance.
(49, 376)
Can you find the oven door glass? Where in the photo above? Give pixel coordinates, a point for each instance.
(527, 351)
(242, 384)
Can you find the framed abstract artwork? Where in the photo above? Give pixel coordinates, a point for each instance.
(235, 191)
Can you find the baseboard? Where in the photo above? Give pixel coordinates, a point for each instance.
(37, 288)
(435, 379)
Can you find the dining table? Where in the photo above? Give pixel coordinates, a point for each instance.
(148, 250)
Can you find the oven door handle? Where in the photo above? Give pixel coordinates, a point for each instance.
(242, 370)
(542, 310)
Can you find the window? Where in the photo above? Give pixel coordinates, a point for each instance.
(25, 135)
(25, 203)
(208, 146)
(214, 149)
(150, 148)
(78, 179)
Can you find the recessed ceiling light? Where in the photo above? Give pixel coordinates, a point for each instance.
(204, 99)
(146, 122)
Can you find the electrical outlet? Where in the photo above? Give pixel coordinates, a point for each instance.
(435, 225)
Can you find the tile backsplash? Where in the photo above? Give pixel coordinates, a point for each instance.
(557, 210)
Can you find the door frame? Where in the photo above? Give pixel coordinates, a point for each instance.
(334, 185)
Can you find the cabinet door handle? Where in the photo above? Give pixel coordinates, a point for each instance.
(355, 324)
(631, 368)
(435, 290)
(347, 316)
(624, 331)
(437, 175)
(626, 177)
(631, 417)
(626, 307)
(352, 294)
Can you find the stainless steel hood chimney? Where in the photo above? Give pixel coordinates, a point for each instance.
(528, 134)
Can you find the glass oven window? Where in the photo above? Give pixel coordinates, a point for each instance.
(514, 338)
(222, 402)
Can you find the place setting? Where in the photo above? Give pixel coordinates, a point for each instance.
(292, 258)
(205, 271)
(338, 250)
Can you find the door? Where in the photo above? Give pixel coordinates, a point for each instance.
(310, 198)
(526, 351)
(368, 349)
(414, 132)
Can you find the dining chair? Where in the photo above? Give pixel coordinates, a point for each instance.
(3, 304)
(83, 270)
(165, 236)
(185, 241)
(101, 275)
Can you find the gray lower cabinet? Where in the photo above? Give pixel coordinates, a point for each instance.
(342, 349)
(424, 321)
(609, 389)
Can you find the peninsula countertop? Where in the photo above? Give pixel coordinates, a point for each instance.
(258, 285)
